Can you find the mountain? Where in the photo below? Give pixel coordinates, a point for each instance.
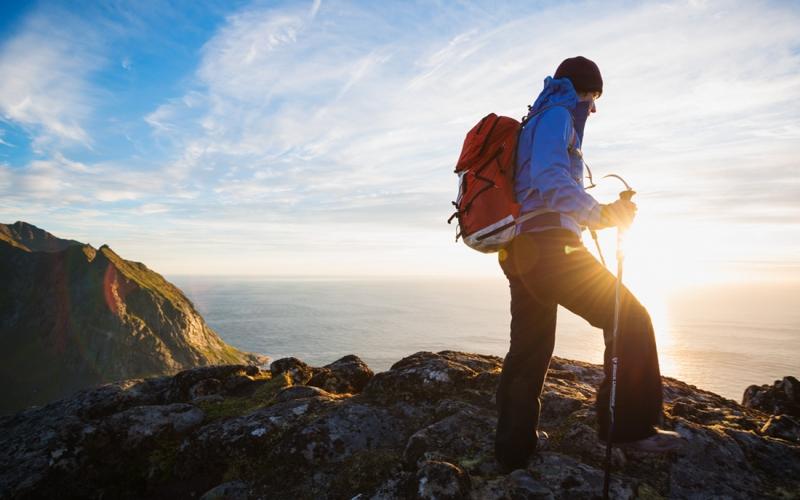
(72, 316)
(31, 238)
(424, 429)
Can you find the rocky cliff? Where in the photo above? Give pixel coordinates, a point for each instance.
(72, 316)
(422, 429)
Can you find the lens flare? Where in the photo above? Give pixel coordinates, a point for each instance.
(111, 291)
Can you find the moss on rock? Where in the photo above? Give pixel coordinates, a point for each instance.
(268, 387)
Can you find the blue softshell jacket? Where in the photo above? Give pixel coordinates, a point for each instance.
(549, 172)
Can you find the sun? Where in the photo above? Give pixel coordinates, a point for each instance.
(661, 258)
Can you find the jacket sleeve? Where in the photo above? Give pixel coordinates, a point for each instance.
(550, 166)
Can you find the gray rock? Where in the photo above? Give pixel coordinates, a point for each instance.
(690, 410)
(207, 380)
(345, 375)
(581, 440)
(249, 435)
(205, 388)
(562, 374)
(425, 375)
(783, 427)
(560, 400)
(211, 398)
(151, 423)
(569, 478)
(440, 481)
(339, 434)
(232, 490)
(782, 397)
(465, 438)
(521, 485)
(724, 458)
(422, 429)
(300, 392)
(299, 372)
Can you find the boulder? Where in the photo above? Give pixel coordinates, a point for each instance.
(427, 375)
(781, 398)
(299, 372)
(207, 380)
(345, 375)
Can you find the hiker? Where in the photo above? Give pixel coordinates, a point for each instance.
(547, 265)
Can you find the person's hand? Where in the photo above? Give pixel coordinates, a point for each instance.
(620, 213)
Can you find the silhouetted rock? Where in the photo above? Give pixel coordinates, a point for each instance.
(423, 429)
(781, 398)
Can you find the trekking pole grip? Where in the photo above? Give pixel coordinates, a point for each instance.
(627, 194)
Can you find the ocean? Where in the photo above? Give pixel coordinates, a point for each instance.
(720, 338)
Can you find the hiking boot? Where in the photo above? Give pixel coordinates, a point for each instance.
(509, 463)
(507, 467)
(660, 442)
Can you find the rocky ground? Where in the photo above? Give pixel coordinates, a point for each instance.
(422, 429)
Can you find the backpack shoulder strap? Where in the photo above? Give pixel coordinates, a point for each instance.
(573, 144)
(573, 140)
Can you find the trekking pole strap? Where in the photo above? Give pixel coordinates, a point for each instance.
(597, 244)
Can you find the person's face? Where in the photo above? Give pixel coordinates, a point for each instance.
(590, 96)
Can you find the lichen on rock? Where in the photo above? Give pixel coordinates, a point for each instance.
(422, 429)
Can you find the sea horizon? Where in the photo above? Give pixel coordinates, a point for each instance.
(721, 338)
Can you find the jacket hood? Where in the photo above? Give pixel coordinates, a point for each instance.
(556, 92)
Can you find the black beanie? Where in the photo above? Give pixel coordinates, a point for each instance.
(583, 73)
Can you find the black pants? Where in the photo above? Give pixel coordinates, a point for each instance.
(544, 270)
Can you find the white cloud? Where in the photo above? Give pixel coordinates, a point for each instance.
(45, 68)
(112, 195)
(2, 141)
(331, 105)
(322, 119)
(59, 183)
(151, 208)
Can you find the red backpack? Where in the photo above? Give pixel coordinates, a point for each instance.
(486, 207)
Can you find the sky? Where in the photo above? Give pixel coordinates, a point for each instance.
(318, 138)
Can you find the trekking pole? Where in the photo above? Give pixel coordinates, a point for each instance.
(597, 244)
(624, 195)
